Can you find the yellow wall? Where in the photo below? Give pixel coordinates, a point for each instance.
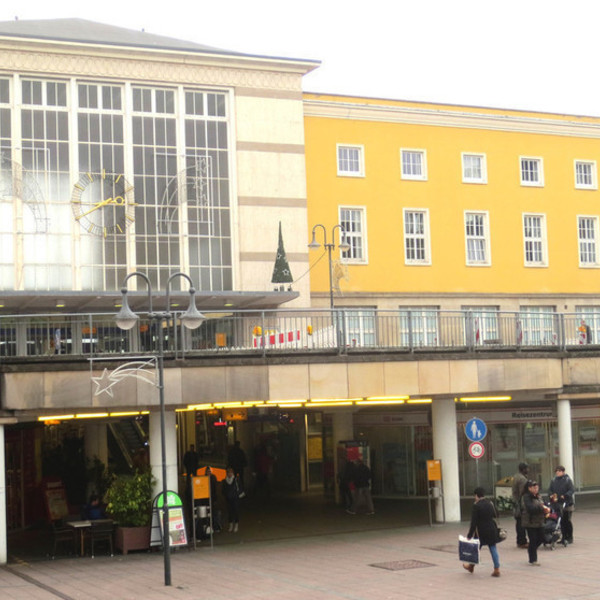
(385, 195)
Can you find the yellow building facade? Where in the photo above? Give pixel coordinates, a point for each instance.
(451, 207)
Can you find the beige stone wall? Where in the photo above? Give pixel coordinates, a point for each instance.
(526, 378)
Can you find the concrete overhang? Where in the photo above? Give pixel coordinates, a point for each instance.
(28, 302)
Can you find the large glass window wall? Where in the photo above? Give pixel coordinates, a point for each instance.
(65, 145)
(399, 453)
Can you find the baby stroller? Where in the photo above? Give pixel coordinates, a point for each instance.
(552, 533)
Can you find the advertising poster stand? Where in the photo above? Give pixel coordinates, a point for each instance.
(435, 492)
(201, 512)
(177, 534)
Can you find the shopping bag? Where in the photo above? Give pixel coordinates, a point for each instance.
(468, 550)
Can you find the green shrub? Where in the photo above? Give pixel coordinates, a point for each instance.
(129, 499)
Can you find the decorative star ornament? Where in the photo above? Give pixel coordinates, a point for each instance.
(142, 370)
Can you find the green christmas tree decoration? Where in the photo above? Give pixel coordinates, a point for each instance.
(281, 270)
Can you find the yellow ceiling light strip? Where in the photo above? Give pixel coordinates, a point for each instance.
(419, 401)
(200, 406)
(91, 415)
(56, 418)
(333, 400)
(295, 401)
(228, 404)
(254, 403)
(290, 405)
(387, 398)
(125, 414)
(330, 404)
(486, 399)
(380, 402)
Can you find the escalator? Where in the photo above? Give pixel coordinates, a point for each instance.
(128, 444)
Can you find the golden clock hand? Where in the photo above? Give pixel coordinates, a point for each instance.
(96, 207)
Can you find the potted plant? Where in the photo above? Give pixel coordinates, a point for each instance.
(129, 502)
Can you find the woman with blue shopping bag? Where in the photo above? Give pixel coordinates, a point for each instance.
(485, 527)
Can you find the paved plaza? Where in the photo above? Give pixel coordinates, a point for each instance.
(362, 563)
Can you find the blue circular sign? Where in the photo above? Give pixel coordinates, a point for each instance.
(475, 429)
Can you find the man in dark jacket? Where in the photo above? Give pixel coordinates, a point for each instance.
(562, 490)
(518, 486)
(362, 492)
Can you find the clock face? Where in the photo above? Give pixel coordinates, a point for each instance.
(103, 203)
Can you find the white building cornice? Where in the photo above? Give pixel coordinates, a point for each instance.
(459, 118)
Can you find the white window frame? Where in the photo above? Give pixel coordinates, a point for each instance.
(348, 236)
(483, 166)
(538, 326)
(361, 160)
(419, 326)
(593, 185)
(595, 241)
(426, 260)
(482, 324)
(360, 326)
(541, 242)
(540, 171)
(486, 239)
(410, 176)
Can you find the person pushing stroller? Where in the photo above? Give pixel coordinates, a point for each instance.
(562, 491)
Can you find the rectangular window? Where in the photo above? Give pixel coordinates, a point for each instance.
(532, 171)
(413, 164)
(45, 159)
(534, 240)
(587, 235)
(477, 239)
(537, 326)
(353, 222)
(585, 175)
(474, 168)
(481, 325)
(359, 327)
(416, 237)
(419, 326)
(350, 161)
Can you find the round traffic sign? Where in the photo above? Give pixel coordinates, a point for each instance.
(476, 450)
(475, 430)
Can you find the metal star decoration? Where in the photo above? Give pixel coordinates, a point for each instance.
(139, 369)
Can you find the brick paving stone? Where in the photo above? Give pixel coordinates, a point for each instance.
(335, 566)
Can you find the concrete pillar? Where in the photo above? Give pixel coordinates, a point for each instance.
(171, 450)
(3, 521)
(565, 436)
(96, 442)
(445, 448)
(343, 430)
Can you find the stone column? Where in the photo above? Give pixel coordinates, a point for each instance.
(171, 450)
(96, 442)
(445, 448)
(343, 430)
(565, 436)
(3, 520)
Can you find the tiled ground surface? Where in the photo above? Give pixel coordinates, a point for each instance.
(319, 565)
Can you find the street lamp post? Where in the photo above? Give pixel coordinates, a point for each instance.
(192, 319)
(343, 246)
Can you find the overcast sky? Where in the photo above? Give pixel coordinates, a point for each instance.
(529, 54)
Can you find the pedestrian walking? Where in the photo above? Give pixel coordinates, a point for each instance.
(533, 515)
(484, 527)
(518, 487)
(361, 495)
(562, 491)
(232, 493)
